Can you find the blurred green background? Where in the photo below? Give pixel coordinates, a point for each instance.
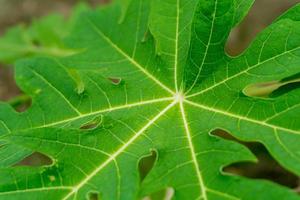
(13, 12)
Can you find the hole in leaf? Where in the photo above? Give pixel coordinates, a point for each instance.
(95, 123)
(261, 15)
(273, 88)
(146, 164)
(166, 194)
(292, 78)
(115, 80)
(36, 159)
(285, 89)
(9, 91)
(292, 83)
(265, 168)
(262, 89)
(93, 196)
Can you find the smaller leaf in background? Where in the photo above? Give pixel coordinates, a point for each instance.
(43, 36)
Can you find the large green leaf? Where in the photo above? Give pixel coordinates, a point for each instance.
(156, 79)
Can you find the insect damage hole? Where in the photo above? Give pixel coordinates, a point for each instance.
(266, 167)
(273, 88)
(146, 163)
(115, 80)
(36, 159)
(93, 124)
(93, 195)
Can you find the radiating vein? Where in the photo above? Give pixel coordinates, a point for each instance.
(106, 110)
(5, 126)
(228, 196)
(239, 117)
(292, 154)
(194, 157)
(283, 112)
(176, 43)
(149, 102)
(240, 73)
(57, 91)
(134, 62)
(77, 187)
(206, 47)
(138, 21)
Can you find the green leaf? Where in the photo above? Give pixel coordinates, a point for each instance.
(43, 36)
(158, 80)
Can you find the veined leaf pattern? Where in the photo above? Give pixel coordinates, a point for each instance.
(156, 78)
